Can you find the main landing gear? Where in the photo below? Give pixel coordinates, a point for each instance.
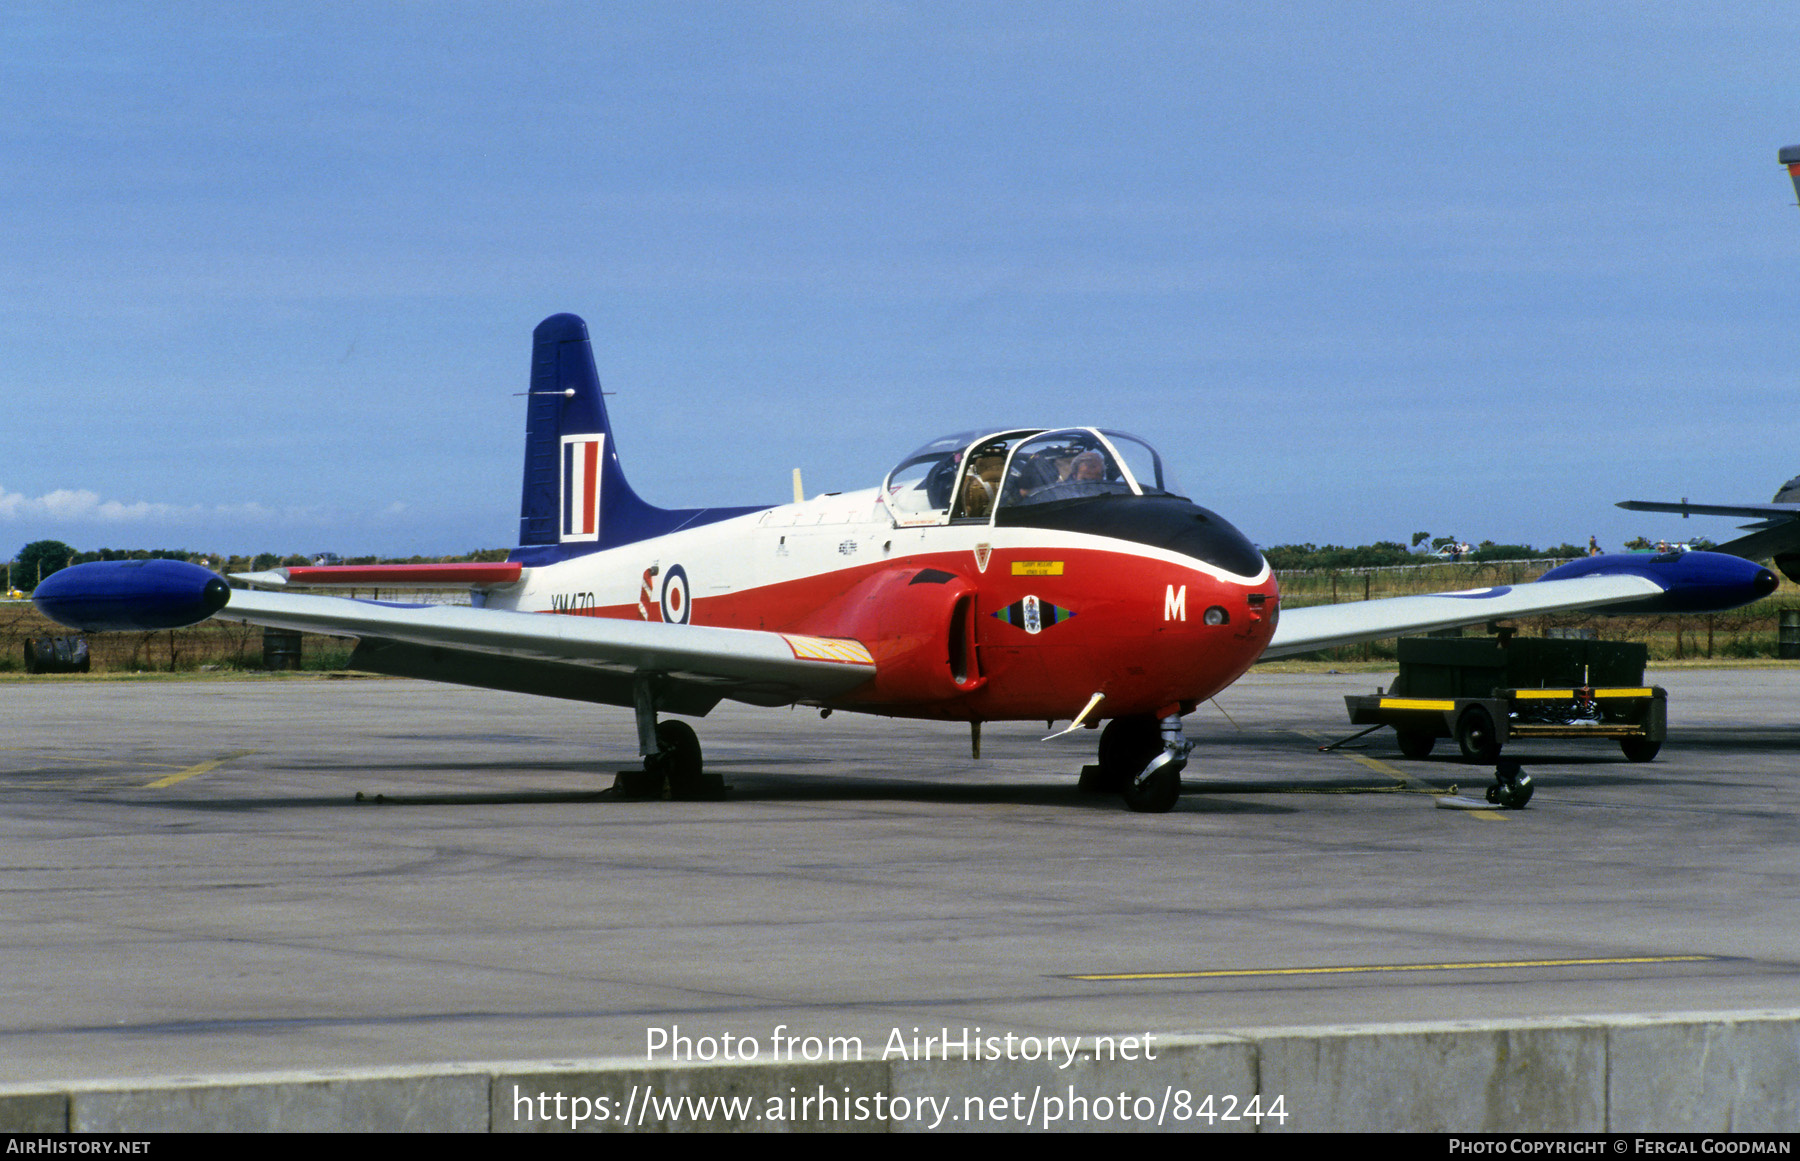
(672, 763)
(1141, 758)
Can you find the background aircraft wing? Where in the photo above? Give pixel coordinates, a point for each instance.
(1323, 626)
(1757, 511)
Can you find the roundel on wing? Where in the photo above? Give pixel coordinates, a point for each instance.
(675, 603)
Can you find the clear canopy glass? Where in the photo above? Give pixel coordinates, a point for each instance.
(967, 476)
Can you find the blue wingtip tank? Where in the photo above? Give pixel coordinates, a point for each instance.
(132, 595)
(1692, 582)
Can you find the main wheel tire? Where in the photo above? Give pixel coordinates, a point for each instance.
(1415, 743)
(1639, 749)
(1158, 793)
(1475, 736)
(641, 784)
(679, 756)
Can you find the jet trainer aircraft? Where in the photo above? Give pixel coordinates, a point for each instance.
(1013, 574)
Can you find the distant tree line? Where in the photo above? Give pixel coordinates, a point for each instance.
(41, 558)
(1391, 552)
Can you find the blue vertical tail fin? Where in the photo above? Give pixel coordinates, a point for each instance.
(575, 499)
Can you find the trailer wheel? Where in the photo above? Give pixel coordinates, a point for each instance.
(1415, 743)
(1475, 736)
(1639, 749)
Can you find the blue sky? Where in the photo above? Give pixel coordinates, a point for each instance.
(1359, 270)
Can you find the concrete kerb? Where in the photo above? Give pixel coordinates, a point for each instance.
(1692, 1072)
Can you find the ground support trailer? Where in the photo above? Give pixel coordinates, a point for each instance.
(1485, 691)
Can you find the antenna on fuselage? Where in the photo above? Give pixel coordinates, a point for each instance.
(799, 492)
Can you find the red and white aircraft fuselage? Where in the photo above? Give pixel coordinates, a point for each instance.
(963, 620)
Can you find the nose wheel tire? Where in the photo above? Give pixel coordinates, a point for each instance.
(1157, 792)
(1129, 745)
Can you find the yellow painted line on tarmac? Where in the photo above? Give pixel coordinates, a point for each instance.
(1401, 776)
(1418, 787)
(1352, 969)
(1410, 784)
(191, 771)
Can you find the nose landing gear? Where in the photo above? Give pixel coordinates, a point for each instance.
(1141, 758)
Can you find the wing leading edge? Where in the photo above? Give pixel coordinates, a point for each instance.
(1758, 511)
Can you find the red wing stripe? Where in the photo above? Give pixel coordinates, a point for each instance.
(500, 572)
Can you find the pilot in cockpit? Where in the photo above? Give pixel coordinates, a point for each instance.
(983, 481)
(1089, 465)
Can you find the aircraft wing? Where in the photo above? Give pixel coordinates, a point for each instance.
(1323, 626)
(585, 658)
(1758, 511)
(689, 667)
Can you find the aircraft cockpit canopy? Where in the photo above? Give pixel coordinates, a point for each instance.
(970, 475)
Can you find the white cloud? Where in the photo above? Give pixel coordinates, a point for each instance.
(80, 504)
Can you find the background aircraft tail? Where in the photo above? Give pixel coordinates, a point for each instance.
(575, 499)
(1774, 537)
(1776, 540)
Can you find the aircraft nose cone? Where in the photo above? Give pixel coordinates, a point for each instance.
(1765, 583)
